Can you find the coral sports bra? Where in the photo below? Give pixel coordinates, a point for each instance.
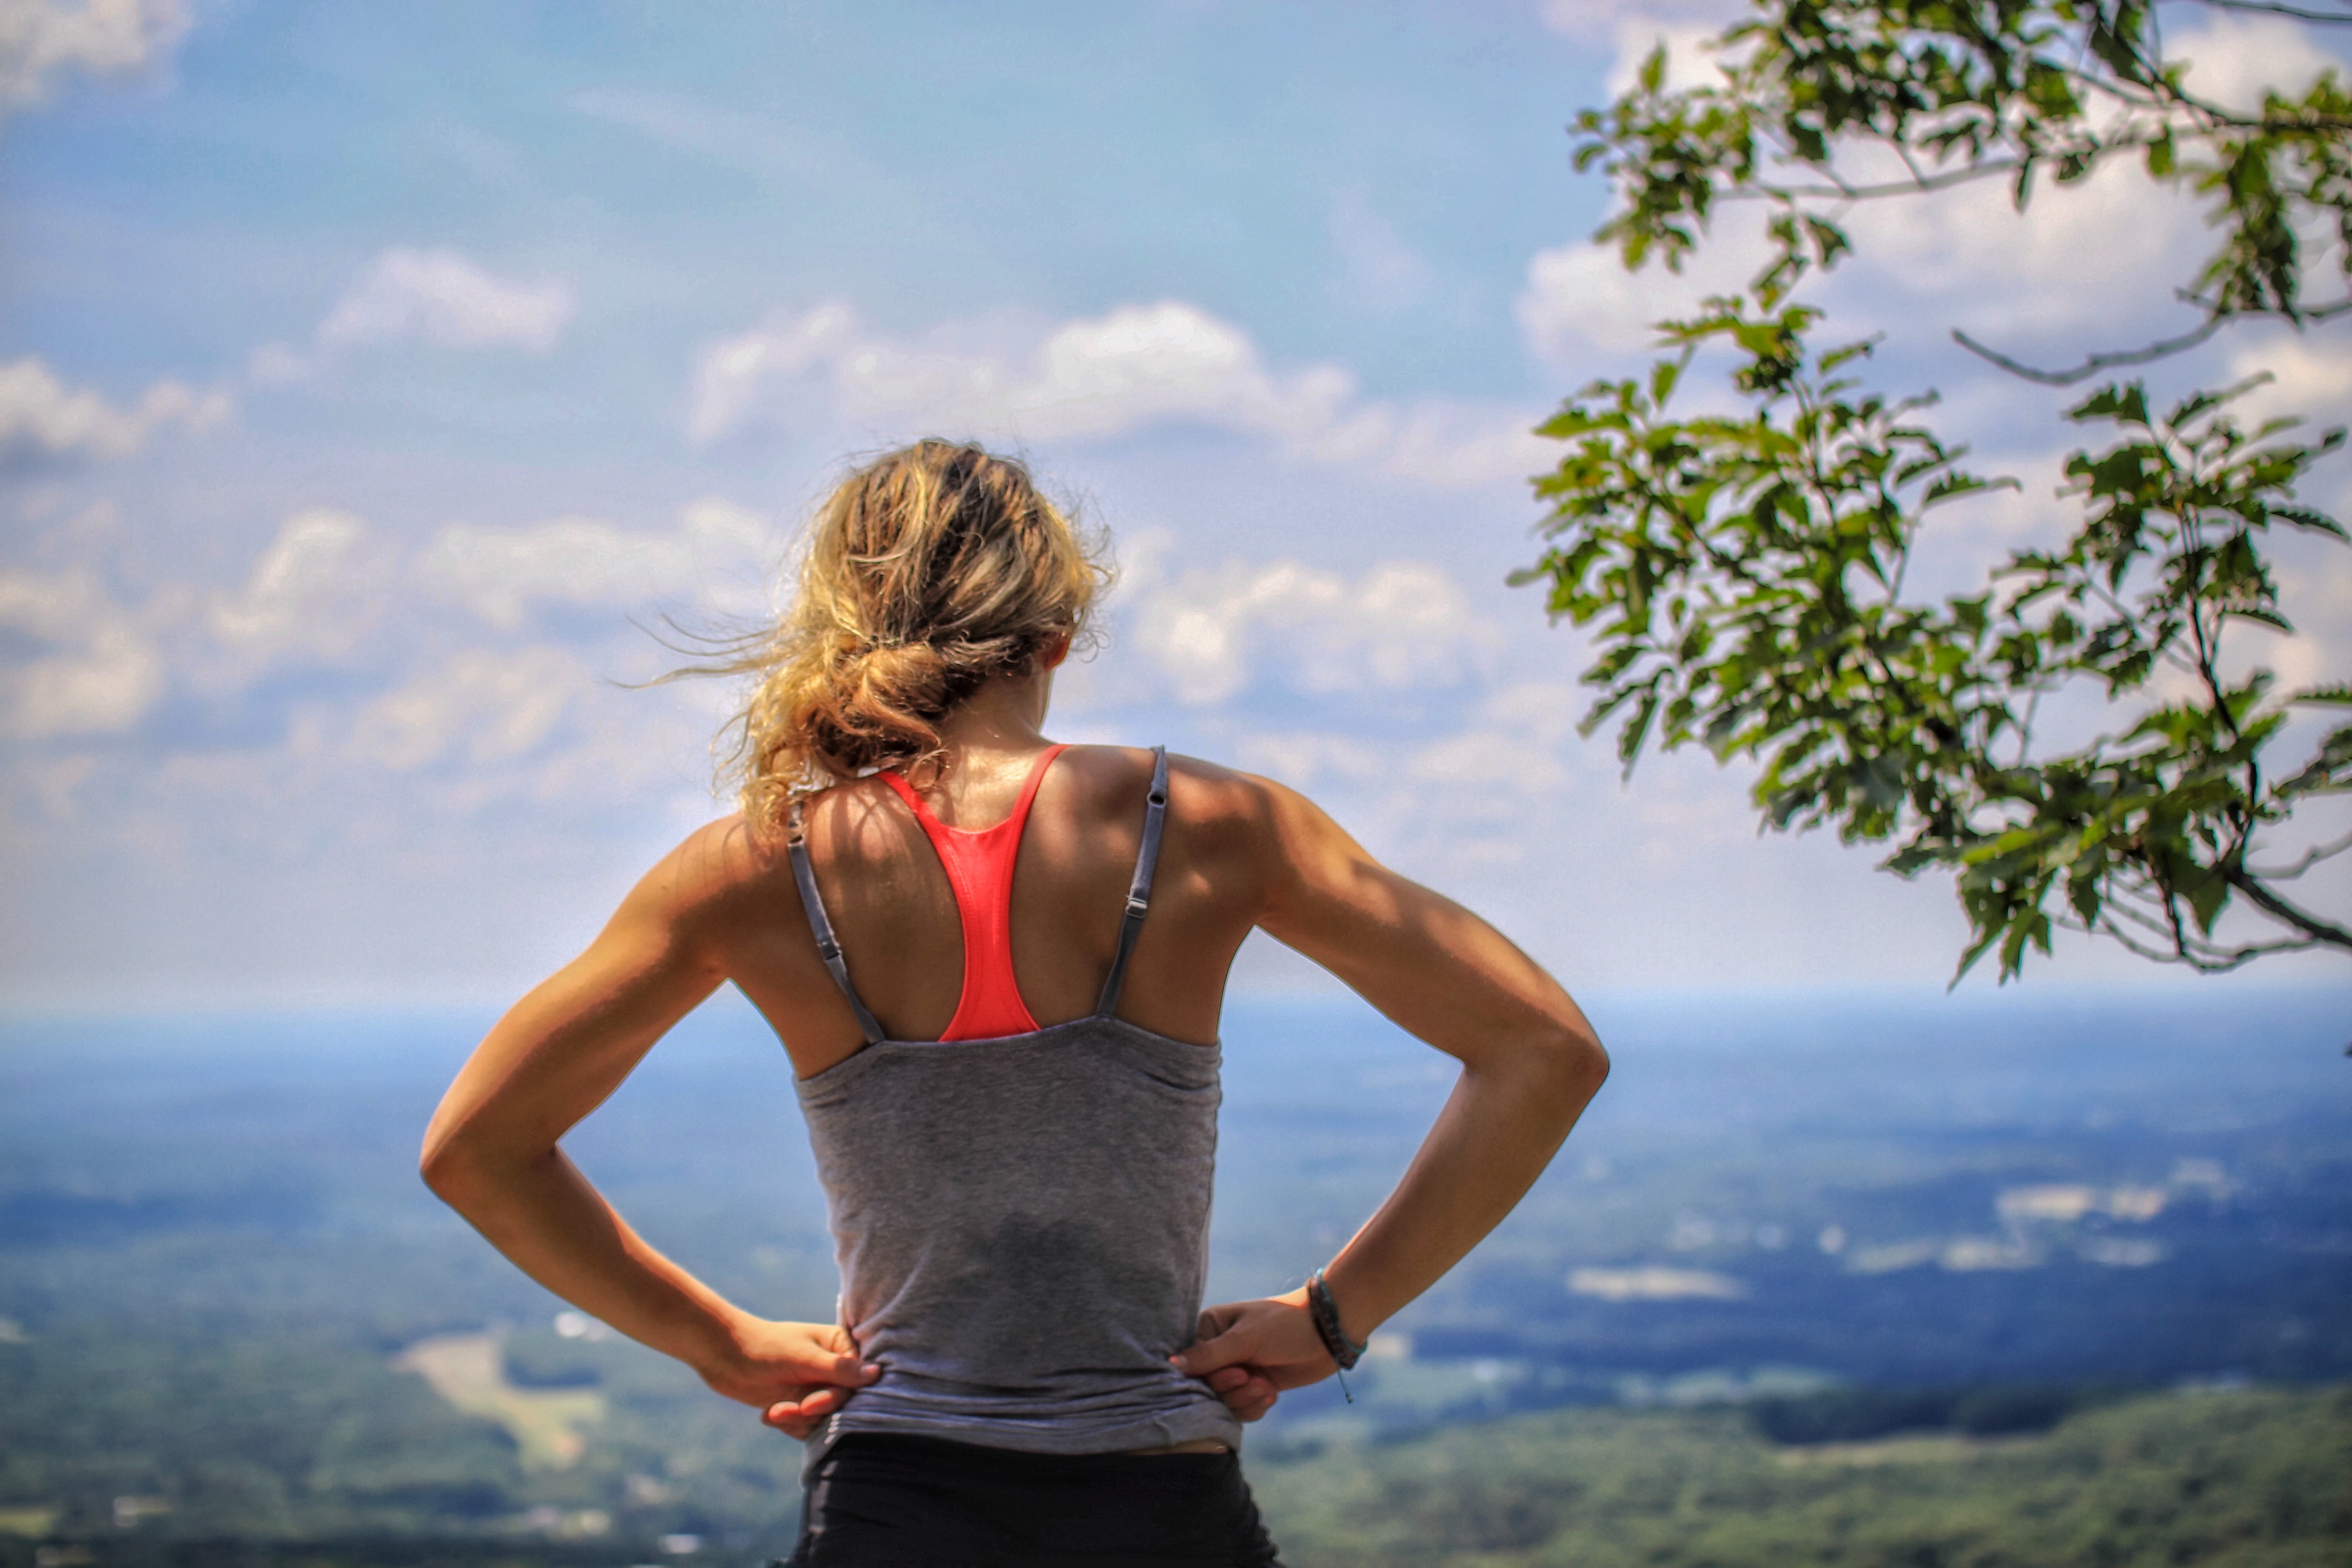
(979, 869)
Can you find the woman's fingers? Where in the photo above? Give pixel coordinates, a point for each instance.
(799, 1427)
(1244, 1390)
(799, 1373)
(1215, 1321)
(799, 1417)
(782, 1362)
(1229, 1345)
(845, 1371)
(1274, 1336)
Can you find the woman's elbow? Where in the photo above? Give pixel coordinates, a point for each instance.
(450, 1165)
(1575, 1065)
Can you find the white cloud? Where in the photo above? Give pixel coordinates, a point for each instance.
(1401, 624)
(482, 706)
(1580, 305)
(2232, 60)
(1488, 758)
(731, 375)
(439, 296)
(499, 573)
(1512, 742)
(1601, 19)
(1095, 378)
(41, 417)
(41, 40)
(317, 591)
(1655, 1283)
(96, 673)
(2310, 376)
(1689, 62)
(1310, 759)
(2085, 258)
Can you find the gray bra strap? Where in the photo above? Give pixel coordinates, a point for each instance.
(1139, 891)
(811, 901)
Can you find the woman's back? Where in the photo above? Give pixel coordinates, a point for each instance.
(1021, 1208)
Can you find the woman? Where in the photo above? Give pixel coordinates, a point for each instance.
(997, 966)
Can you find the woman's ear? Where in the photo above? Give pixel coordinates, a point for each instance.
(1055, 652)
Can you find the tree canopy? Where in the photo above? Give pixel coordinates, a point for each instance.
(1743, 576)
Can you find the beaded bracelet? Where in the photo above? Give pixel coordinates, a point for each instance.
(1325, 1314)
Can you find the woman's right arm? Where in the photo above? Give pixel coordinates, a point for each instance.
(1530, 1064)
(494, 1154)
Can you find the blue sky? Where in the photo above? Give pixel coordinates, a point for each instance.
(366, 370)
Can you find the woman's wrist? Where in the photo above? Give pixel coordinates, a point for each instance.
(1324, 1311)
(1349, 1294)
(709, 1334)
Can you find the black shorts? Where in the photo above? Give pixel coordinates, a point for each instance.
(883, 1500)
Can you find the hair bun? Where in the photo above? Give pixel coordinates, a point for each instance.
(971, 571)
(911, 676)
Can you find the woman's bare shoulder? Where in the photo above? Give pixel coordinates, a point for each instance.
(1202, 796)
(719, 860)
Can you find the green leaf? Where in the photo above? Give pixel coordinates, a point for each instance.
(2083, 894)
(2206, 900)
(2126, 405)
(1663, 376)
(2261, 617)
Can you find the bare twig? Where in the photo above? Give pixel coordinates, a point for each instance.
(2204, 957)
(2286, 913)
(2165, 923)
(2096, 363)
(2295, 11)
(2310, 857)
(1841, 192)
(2301, 316)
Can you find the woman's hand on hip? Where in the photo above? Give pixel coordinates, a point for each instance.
(1249, 1352)
(794, 1374)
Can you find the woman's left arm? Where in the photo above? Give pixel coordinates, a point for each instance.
(492, 1151)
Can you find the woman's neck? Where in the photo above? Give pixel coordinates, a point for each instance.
(1006, 715)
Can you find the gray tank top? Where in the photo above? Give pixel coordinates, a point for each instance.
(1022, 1223)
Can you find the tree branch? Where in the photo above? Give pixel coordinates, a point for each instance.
(2280, 909)
(2296, 11)
(2210, 960)
(2096, 363)
(2311, 858)
(1841, 192)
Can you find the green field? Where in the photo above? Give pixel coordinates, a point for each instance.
(2239, 1478)
(306, 1453)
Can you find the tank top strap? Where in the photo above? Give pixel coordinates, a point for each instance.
(1138, 889)
(812, 904)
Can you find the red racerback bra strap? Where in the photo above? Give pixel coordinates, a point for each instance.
(979, 872)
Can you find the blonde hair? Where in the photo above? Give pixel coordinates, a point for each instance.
(925, 573)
